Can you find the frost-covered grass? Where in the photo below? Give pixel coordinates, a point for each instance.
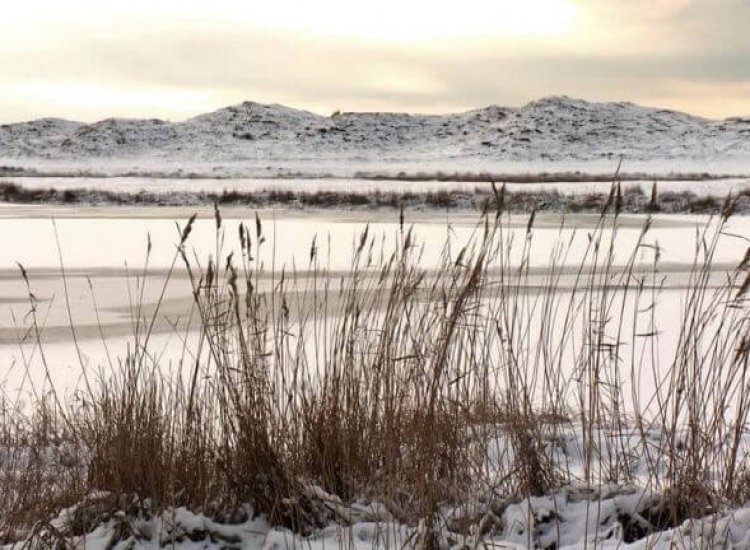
(405, 407)
(633, 200)
(534, 177)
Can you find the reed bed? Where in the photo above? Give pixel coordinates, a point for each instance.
(635, 200)
(428, 391)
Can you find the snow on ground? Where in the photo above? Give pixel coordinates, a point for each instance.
(251, 139)
(578, 516)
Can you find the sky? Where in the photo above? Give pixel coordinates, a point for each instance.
(92, 59)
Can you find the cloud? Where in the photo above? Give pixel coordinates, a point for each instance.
(687, 54)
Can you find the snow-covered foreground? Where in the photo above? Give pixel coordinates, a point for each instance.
(567, 520)
(574, 517)
(579, 515)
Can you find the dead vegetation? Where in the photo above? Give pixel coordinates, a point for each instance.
(634, 199)
(415, 389)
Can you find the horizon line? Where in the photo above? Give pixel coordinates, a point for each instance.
(341, 112)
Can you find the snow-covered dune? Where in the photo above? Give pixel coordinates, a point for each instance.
(548, 133)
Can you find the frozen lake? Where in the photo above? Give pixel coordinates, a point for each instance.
(103, 250)
(113, 237)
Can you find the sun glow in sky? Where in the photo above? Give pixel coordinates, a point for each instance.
(409, 22)
(88, 59)
(385, 19)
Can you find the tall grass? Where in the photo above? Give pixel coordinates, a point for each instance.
(481, 381)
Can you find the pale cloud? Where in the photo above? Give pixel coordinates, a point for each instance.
(400, 20)
(176, 58)
(104, 99)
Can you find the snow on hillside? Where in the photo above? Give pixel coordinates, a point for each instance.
(34, 138)
(553, 130)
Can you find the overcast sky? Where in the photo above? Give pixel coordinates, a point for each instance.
(91, 59)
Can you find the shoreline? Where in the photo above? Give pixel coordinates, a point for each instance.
(630, 200)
